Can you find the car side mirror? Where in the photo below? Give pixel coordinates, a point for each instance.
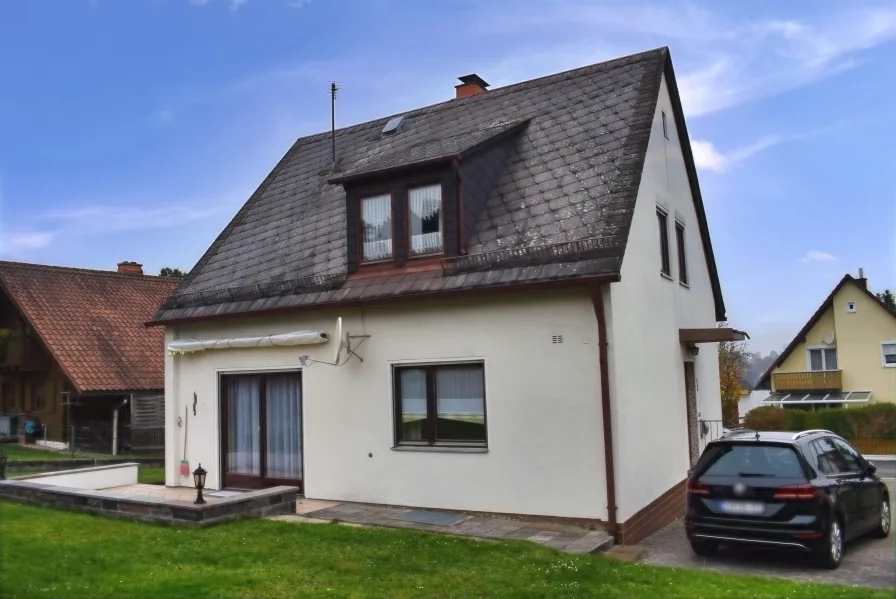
(870, 468)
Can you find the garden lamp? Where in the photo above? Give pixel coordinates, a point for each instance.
(199, 481)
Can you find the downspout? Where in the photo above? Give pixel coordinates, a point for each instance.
(123, 403)
(597, 300)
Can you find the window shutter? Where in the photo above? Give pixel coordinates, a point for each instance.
(399, 226)
(351, 236)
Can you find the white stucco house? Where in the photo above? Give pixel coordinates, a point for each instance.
(522, 284)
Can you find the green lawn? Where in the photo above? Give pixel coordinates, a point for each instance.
(150, 474)
(51, 553)
(17, 453)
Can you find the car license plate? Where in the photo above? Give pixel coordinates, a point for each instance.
(745, 508)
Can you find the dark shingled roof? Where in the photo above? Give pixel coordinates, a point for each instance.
(556, 163)
(91, 321)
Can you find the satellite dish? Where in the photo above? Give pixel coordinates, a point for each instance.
(829, 337)
(338, 338)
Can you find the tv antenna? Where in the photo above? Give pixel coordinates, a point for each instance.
(345, 343)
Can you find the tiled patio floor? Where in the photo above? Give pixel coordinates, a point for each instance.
(563, 537)
(181, 493)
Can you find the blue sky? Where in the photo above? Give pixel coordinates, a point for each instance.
(134, 130)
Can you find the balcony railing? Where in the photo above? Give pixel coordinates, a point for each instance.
(818, 380)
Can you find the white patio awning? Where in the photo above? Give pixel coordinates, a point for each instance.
(804, 399)
(187, 346)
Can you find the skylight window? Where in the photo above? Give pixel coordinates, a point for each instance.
(393, 125)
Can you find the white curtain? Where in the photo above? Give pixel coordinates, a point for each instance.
(460, 394)
(283, 424)
(376, 225)
(830, 359)
(243, 424)
(425, 219)
(815, 360)
(413, 404)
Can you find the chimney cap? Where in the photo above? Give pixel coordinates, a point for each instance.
(474, 79)
(130, 268)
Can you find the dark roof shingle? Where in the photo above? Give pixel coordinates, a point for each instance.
(567, 169)
(92, 322)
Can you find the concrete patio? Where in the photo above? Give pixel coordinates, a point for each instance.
(563, 537)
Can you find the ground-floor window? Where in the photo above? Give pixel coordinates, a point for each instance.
(440, 404)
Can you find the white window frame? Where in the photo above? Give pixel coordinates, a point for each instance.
(883, 360)
(809, 348)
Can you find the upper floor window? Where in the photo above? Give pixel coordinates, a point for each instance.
(888, 354)
(682, 254)
(823, 358)
(425, 220)
(376, 228)
(663, 224)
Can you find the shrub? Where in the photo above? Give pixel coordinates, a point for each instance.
(766, 418)
(796, 420)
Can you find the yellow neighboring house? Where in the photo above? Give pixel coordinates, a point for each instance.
(845, 355)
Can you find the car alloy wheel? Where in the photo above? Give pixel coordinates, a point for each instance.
(885, 516)
(835, 542)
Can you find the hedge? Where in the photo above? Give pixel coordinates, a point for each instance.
(875, 421)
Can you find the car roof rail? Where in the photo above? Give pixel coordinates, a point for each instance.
(736, 432)
(811, 431)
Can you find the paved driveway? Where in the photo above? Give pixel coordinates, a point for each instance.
(867, 562)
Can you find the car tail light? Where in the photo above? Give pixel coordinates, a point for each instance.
(697, 488)
(808, 535)
(795, 492)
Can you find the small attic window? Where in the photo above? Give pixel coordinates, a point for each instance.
(850, 306)
(393, 125)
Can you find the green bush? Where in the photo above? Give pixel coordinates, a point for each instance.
(796, 420)
(766, 418)
(874, 421)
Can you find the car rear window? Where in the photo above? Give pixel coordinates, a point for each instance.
(750, 460)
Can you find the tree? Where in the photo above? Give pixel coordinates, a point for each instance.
(172, 272)
(887, 298)
(733, 360)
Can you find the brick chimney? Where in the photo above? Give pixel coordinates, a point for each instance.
(470, 85)
(130, 268)
(862, 281)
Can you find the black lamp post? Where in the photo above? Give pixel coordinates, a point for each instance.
(199, 481)
(3, 459)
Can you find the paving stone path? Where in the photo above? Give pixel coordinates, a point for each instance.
(563, 537)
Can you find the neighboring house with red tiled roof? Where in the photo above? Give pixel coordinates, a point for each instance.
(526, 273)
(79, 334)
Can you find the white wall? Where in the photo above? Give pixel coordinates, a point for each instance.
(647, 310)
(95, 477)
(545, 454)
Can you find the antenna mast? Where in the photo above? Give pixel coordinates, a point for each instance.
(333, 90)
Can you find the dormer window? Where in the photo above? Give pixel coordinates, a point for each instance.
(425, 220)
(403, 218)
(376, 228)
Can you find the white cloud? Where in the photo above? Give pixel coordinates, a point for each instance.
(816, 256)
(236, 4)
(110, 219)
(721, 62)
(710, 158)
(21, 242)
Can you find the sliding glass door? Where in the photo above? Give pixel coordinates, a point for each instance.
(261, 424)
